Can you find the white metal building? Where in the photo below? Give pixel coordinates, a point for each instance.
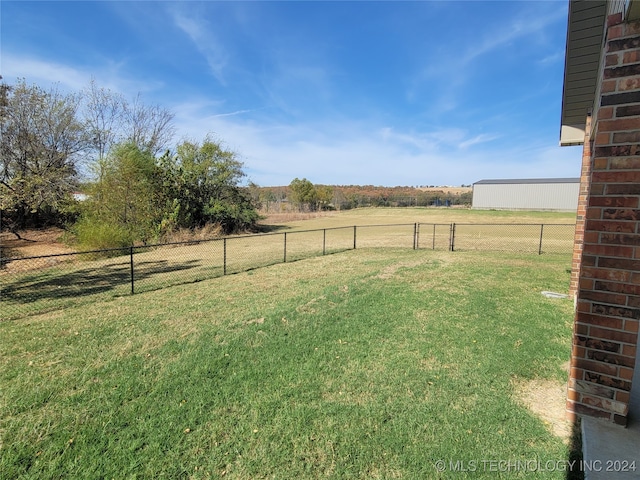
(556, 194)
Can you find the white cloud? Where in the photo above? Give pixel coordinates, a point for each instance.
(339, 152)
(482, 138)
(41, 72)
(72, 78)
(502, 34)
(509, 31)
(555, 57)
(201, 34)
(231, 114)
(441, 138)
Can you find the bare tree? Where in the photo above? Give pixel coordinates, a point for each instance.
(149, 127)
(41, 140)
(103, 116)
(110, 119)
(44, 135)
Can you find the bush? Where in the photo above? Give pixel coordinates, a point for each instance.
(97, 235)
(209, 231)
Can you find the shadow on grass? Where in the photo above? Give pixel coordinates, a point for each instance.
(87, 281)
(263, 228)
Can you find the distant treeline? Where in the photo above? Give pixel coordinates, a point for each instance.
(345, 197)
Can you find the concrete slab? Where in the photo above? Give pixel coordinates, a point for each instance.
(611, 451)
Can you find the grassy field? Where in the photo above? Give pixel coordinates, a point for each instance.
(38, 285)
(374, 363)
(383, 216)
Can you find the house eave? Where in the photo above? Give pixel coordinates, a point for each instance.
(571, 135)
(582, 60)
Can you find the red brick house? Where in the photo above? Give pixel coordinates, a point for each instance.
(601, 111)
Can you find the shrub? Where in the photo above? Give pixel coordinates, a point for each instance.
(97, 235)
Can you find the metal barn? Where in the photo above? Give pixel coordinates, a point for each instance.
(556, 194)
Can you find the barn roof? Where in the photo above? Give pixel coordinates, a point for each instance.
(527, 181)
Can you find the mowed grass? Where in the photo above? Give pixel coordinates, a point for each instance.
(374, 363)
(384, 216)
(31, 286)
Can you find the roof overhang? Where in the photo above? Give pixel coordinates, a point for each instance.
(582, 60)
(633, 10)
(586, 26)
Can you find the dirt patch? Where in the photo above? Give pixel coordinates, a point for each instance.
(547, 400)
(34, 243)
(311, 306)
(391, 270)
(258, 321)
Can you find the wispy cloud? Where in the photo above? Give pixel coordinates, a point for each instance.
(298, 92)
(509, 31)
(42, 72)
(427, 139)
(231, 114)
(73, 78)
(355, 152)
(201, 34)
(505, 32)
(555, 57)
(482, 138)
(438, 139)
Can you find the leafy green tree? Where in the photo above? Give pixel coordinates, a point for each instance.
(465, 198)
(123, 204)
(142, 197)
(255, 194)
(324, 196)
(303, 194)
(267, 197)
(203, 183)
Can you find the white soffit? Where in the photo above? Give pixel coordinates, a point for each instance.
(571, 135)
(582, 59)
(633, 10)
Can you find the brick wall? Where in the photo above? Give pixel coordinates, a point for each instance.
(608, 287)
(585, 182)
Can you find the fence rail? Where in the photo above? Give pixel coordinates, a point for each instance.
(31, 285)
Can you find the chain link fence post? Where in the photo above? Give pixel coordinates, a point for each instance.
(324, 241)
(285, 248)
(541, 233)
(433, 244)
(131, 264)
(452, 239)
(224, 256)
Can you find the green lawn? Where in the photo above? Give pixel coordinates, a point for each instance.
(373, 363)
(387, 215)
(37, 285)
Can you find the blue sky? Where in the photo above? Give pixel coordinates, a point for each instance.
(368, 93)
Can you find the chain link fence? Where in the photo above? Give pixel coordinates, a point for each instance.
(31, 285)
